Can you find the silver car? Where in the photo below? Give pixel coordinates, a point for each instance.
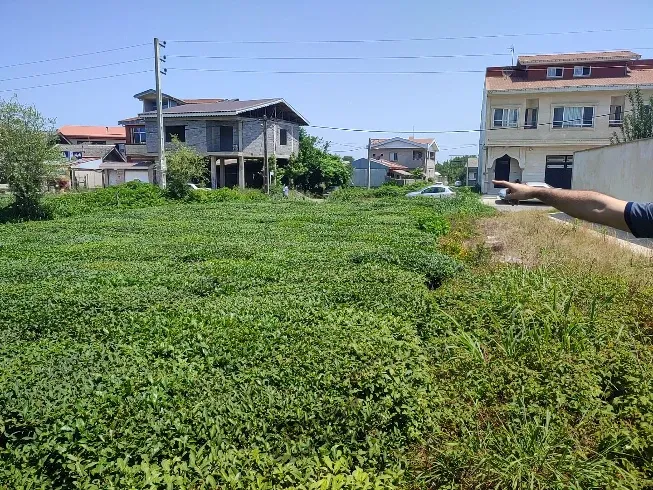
(503, 193)
(433, 191)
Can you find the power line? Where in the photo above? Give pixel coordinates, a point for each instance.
(338, 58)
(301, 72)
(76, 55)
(415, 39)
(75, 69)
(452, 131)
(77, 81)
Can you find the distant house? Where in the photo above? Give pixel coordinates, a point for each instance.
(413, 153)
(380, 171)
(229, 132)
(76, 138)
(472, 171)
(104, 165)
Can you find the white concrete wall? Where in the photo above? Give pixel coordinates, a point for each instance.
(623, 171)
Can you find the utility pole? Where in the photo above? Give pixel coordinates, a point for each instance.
(159, 111)
(266, 182)
(369, 164)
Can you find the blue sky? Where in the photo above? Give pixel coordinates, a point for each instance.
(38, 31)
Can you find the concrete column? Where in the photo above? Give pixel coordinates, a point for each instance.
(241, 172)
(222, 172)
(240, 136)
(214, 176)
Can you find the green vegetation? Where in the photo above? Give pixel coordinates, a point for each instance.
(454, 169)
(314, 169)
(638, 122)
(246, 342)
(27, 156)
(185, 165)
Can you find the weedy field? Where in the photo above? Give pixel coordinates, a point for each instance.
(360, 342)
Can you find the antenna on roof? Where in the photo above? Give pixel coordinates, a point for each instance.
(512, 54)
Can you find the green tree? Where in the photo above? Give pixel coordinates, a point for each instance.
(454, 168)
(314, 169)
(348, 158)
(28, 154)
(185, 165)
(638, 123)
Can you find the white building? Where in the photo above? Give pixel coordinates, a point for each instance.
(536, 114)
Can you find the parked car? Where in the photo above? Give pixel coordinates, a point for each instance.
(503, 193)
(433, 191)
(458, 183)
(195, 187)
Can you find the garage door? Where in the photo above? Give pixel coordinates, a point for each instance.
(141, 175)
(558, 170)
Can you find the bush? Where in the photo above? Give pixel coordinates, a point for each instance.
(124, 196)
(185, 165)
(226, 194)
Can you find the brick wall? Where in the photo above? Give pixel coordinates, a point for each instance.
(253, 138)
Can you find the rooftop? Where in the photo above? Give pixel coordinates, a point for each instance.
(567, 58)
(421, 141)
(498, 79)
(96, 132)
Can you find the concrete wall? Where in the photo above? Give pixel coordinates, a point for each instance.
(623, 171)
(377, 177)
(88, 179)
(204, 135)
(253, 138)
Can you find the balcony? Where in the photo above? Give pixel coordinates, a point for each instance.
(223, 147)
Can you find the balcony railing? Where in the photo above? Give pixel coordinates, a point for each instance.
(616, 123)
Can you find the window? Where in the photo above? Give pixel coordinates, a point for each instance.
(472, 175)
(573, 117)
(530, 121)
(394, 157)
(433, 190)
(175, 131)
(138, 135)
(617, 110)
(554, 72)
(431, 155)
(418, 155)
(582, 71)
(283, 137)
(506, 118)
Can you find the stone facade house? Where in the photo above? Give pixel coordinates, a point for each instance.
(229, 132)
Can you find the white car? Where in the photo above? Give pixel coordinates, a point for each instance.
(504, 196)
(196, 188)
(433, 191)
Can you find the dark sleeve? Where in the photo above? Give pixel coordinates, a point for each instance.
(639, 218)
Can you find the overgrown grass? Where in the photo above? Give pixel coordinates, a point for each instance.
(358, 343)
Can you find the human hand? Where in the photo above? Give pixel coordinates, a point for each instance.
(517, 192)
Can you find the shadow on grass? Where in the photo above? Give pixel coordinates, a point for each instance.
(14, 213)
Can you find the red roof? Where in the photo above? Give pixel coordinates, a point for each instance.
(504, 79)
(421, 141)
(564, 58)
(390, 165)
(95, 132)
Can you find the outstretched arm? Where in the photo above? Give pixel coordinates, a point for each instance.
(585, 205)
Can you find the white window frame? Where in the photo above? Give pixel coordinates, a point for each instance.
(141, 131)
(578, 71)
(570, 126)
(510, 122)
(551, 71)
(395, 155)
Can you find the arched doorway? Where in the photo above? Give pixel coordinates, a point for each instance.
(506, 168)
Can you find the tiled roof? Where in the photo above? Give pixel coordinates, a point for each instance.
(390, 165)
(114, 132)
(564, 58)
(638, 75)
(421, 141)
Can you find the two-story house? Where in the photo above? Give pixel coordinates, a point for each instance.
(536, 114)
(229, 132)
(414, 153)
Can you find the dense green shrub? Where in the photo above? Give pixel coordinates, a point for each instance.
(124, 196)
(226, 194)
